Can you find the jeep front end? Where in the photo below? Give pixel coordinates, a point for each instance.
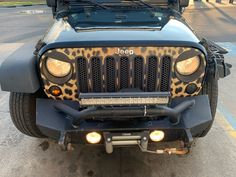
(117, 73)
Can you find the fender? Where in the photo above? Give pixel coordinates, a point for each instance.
(18, 73)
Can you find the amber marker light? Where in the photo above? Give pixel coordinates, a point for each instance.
(157, 135)
(55, 91)
(93, 137)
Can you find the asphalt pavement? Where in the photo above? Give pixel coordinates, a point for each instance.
(211, 156)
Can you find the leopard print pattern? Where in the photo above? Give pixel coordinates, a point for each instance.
(70, 91)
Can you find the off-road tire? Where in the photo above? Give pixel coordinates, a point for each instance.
(210, 88)
(23, 113)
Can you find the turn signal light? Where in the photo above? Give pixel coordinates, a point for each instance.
(55, 91)
(157, 135)
(93, 137)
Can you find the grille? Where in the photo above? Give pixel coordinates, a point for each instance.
(152, 74)
(124, 72)
(165, 74)
(114, 73)
(96, 74)
(138, 72)
(83, 74)
(110, 74)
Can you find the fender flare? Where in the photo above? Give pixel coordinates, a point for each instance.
(18, 73)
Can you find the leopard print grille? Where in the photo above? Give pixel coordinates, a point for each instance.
(90, 58)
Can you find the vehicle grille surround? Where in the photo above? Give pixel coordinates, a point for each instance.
(114, 73)
(91, 73)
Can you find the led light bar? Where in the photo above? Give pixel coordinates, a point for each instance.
(124, 98)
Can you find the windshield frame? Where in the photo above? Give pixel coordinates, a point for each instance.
(107, 19)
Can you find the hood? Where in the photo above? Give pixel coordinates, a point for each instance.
(175, 32)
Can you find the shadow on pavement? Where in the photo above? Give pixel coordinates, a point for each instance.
(223, 13)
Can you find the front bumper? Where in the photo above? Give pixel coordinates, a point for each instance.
(57, 125)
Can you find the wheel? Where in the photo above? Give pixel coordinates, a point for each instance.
(23, 113)
(210, 88)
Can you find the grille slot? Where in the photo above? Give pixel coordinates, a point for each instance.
(152, 74)
(138, 72)
(165, 74)
(96, 74)
(82, 74)
(110, 74)
(124, 72)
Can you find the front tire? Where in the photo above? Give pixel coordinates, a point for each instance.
(210, 88)
(23, 113)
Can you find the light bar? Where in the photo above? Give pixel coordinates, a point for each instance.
(119, 99)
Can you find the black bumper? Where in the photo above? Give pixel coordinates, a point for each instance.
(193, 121)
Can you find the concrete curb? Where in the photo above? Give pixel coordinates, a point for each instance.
(27, 5)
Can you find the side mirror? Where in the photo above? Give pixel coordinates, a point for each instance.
(51, 3)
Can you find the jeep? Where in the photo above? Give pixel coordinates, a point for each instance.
(116, 73)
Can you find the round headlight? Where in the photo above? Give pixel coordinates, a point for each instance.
(188, 66)
(58, 68)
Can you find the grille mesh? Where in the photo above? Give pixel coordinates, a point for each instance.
(124, 72)
(82, 74)
(138, 72)
(116, 73)
(152, 74)
(96, 74)
(165, 74)
(110, 74)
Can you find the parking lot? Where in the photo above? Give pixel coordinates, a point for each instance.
(211, 156)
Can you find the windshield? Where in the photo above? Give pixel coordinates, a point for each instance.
(118, 18)
(129, 13)
(106, 4)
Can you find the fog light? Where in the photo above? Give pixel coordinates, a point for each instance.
(157, 135)
(93, 137)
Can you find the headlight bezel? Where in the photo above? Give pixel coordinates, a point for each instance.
(54, 74)
(195, 69)
(198, 72)
(52, 78)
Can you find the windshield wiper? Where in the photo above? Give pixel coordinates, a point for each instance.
(95, 4)
(144, 3)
